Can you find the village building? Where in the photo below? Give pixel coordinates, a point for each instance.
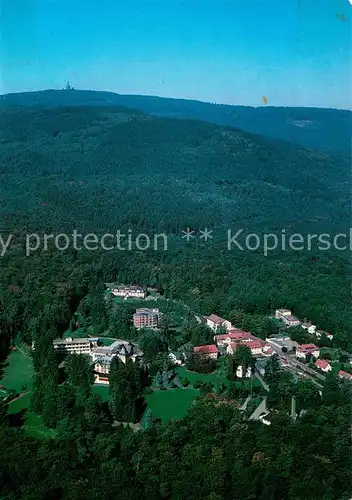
(232, 335)
(126, 291)
(282, 343)
(305, 349)
(309, 327)
(146, 318)
(320, 333)
(323, 365)
(216, 323)
(255, 346)
(122, 348)
(344, 375)
(208, 351)
(102, 357)
(70, 345)
(286, 316)
(240, 372)
(267, 350)
(102, 370)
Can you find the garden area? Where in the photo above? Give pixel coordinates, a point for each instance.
(18, 376)
(18, 372)
(102, 391)
(216, 378)
(172, 403)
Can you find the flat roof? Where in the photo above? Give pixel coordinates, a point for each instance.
(143, 312)
(70, 340)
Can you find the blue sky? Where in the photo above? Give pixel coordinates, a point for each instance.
(295, 52)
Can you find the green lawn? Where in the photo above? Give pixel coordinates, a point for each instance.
(19, 404)
(193, 377)
(106, 341)
(18, 372)
(172, 403)
(81, 333)
(103, 391)
(214, 378)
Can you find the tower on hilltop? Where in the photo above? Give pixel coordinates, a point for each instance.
(68, 86)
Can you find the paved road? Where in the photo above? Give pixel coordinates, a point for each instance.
(295, 366)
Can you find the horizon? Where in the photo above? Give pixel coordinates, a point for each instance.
(173, 98)
(235, 54)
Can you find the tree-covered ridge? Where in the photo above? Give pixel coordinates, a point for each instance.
(103, 169)
(137, 171)
(213, 453)
(316, 128)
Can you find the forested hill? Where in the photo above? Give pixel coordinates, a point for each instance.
(102, 168)
(316, 128)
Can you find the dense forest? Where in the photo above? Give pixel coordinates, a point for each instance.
(101, 169)
(212, 454)
(315, 128)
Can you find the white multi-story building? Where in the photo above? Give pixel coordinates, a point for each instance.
(103, 356)
(323, 365)
(146, 318)
(286, 316)
(232, 335)
(208, 351)
(215, 323)
(305, 349)
(121, 348)
(72, 345)
(309, 327)
(128, 291)
(255, 346)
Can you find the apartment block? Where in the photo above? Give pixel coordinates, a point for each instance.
(146, 318)
(71, 345)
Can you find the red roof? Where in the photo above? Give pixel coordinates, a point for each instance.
(267, 348)
(233, 334)
(269, 351)
(206, 349)
(253, 344)
(322, 363)
(241, 332)
(308, 347)
(344, 374)
(216, 319)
